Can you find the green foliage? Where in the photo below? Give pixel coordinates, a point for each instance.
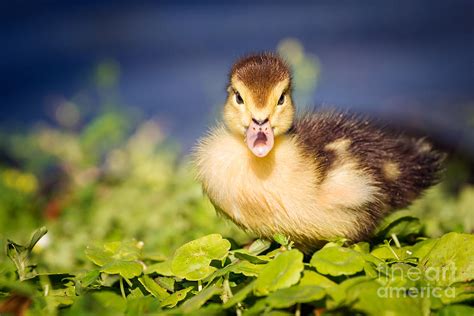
(20, 255)
(335, 260)
(117, 258)
(281, 272)
(208, 277)
(192, 260)
(107, 180)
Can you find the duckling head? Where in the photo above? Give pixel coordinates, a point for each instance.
(259, 106)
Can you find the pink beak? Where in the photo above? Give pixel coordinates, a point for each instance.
(259, 138)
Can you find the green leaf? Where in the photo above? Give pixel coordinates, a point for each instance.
(313, 278)
(128, 250)
(20, 255)
(37, 235)
(288, 297)
(283, 271)
(241, 267)
(281, 239)
(389, 252)
(259, 246)
(372, 298)
(398, 275)
(153, 288)
(117, 258)
(456, 310)
(89, 278)
(248, 269)
(422, 248)
(127, 269)
(450, 260)
(192, 260)
(337, 261)
(167, 283)
(99, 256)
(362, 247)
(163, 268)
(122, 251)
(172, 300)
(243, 254)
(402, 224)
(338, 293)
(458, 293)
(202, 297)
(135, 293)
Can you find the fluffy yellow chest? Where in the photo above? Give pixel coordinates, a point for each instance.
(280, 193)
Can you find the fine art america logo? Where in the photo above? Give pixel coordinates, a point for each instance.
(400, 282)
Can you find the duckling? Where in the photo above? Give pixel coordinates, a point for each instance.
(322, 175)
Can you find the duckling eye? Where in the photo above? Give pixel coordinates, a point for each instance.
(281, 100)
(238, 98)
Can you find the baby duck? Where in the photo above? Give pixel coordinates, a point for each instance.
(312, 178)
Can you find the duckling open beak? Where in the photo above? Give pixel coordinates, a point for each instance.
(259, 138)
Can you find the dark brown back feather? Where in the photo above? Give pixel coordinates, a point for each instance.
(372, 146)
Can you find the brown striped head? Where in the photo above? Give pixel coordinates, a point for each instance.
(259, 104)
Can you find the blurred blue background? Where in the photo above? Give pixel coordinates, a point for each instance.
(409, 63)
